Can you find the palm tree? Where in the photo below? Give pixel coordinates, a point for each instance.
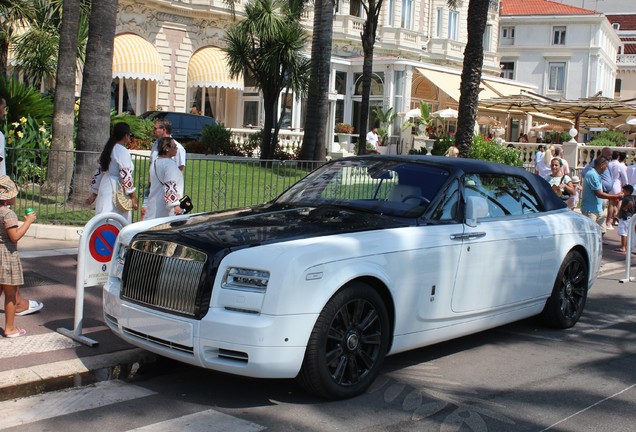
(11, 12)
(267, 45)
(60, 164)
(314, 145)
(471, 73)
(35, 50)
(93, 123)
(368, 41)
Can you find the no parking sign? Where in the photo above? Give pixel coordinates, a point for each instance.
(100, 247)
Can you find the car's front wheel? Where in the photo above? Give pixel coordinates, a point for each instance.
(565, 306)
(347, 345)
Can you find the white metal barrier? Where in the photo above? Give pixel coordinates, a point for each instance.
(96, 248)
(628, 250)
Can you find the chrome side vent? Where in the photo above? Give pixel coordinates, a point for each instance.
(165, 276)
(233, 355)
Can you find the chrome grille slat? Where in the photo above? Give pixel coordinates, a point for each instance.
(164, 276)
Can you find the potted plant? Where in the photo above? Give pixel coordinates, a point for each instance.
(343, 130)
(386, 119)
(420, 122)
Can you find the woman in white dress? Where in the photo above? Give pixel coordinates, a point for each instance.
(166, 183)
(115, 165)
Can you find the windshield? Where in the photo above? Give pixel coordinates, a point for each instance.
(393, 187)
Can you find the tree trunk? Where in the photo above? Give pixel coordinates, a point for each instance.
(270, 100)
(368, 41)
(316, 118)
(93, 123)
(471, 75)
(60, 165)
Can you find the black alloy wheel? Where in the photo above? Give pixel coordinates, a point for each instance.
(565, 306)
(348, 344)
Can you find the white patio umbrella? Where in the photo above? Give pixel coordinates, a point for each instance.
(445, 113)
(414, 113)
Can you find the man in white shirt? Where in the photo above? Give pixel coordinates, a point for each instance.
(3, 168)
(163, 128)
(372, 138)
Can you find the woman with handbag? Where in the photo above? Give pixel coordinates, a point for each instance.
(166, 183)
(112, 186)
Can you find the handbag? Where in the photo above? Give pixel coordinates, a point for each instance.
(186, 204)
(565, 195)
(121, 200)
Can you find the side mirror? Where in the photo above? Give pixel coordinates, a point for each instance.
(476, 207)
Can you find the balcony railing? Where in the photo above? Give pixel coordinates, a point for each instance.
(626, 59)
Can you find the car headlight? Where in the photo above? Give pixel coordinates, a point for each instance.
(243, 279)
(119, 261)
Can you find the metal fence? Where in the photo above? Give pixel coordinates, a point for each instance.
(213, 182)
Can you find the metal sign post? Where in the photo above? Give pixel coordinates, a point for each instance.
(98, 239)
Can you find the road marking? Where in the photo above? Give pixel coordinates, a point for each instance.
(204, 421)
(41, 407)
(589, 407)
(25, 345)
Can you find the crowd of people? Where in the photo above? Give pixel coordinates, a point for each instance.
(605, 192)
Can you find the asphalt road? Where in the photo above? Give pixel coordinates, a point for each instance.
(520, 377)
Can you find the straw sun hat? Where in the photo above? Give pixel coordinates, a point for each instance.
(7, 188)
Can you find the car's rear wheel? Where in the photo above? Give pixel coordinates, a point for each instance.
(347, 345)
(565, 306)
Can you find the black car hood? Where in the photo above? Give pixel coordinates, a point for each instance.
(212, 232)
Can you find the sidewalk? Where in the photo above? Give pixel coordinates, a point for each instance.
(45, 359)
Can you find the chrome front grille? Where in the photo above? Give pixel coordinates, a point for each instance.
(165, 276)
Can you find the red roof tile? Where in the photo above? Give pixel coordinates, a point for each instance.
(541, 7)
(627, 21)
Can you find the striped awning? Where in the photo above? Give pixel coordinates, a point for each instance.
(208, 68)
(136, 58)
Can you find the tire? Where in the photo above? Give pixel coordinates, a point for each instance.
(347, 345)
(565, 305)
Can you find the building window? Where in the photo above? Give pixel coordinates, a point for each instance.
(507, 36)
(453, 21)
(617, 87)
(407, 14)
(507, 70)
(616, 26)
(488, 38)
(355, 8)
(391, 16)
(556, 77)
(438, 27)
(558, 35)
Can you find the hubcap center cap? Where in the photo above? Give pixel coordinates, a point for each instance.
(352, 341)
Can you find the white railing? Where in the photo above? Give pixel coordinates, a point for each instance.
(290, 141)
(623, 59)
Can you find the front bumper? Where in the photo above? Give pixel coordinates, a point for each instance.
(237, 342)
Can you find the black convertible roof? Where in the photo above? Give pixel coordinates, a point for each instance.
(460, 166)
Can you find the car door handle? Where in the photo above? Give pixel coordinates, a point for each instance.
(467, 236)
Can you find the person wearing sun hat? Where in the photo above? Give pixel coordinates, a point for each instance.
(11, 275)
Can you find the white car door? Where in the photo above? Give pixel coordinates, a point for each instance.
(501, 253)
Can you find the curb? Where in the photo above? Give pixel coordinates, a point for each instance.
(54, 232)
(19, 383)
